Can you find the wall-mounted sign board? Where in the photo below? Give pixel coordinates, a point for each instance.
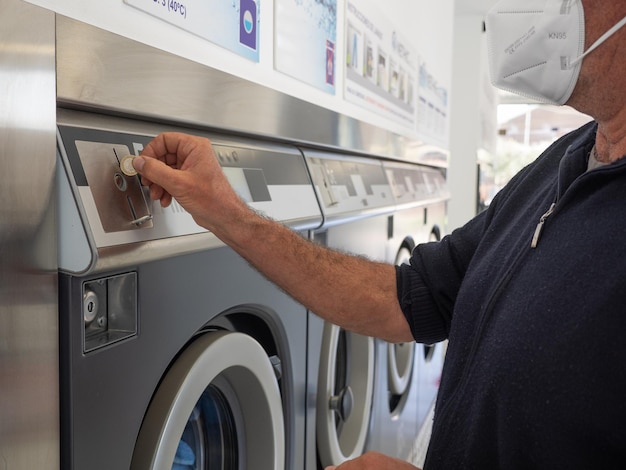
(233, 25)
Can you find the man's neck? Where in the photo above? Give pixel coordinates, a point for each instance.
(611, 138)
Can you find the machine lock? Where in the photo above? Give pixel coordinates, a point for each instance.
(109, 310)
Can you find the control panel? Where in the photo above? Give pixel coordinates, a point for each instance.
(416, 184)
(105, 210)
(349, 187)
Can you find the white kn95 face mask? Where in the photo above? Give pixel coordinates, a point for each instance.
(536, 47)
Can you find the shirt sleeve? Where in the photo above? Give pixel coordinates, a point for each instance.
(427, 326)
(427, 288)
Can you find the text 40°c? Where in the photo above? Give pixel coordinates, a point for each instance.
(173, 6)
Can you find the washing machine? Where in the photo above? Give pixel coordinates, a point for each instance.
(174, 352)
(414, 370)
(356, 199)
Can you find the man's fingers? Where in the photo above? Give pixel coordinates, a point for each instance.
(154, 174)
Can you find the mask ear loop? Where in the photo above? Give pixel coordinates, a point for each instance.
(600, 40)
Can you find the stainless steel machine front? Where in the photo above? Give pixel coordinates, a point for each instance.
(29, 390)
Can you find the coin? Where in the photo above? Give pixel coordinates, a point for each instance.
(126, 165)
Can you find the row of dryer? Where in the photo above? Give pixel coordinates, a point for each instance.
(176, 354)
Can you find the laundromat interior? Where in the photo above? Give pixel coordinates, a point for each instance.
(131, 337)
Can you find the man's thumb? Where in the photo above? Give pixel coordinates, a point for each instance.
(151, 169)
(139, 162)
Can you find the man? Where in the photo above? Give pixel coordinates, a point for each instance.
(530, 293)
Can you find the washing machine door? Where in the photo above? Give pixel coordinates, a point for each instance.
(400, 357)
(345, 393)
(217, 407)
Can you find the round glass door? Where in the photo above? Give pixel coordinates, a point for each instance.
(345, 393)
(218, 407)
(210, 437)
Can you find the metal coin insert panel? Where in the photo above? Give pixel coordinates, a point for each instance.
(119, 198)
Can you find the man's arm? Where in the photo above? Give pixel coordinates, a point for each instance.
(355, 293)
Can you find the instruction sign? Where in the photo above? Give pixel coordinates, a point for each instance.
(305, 38)
(232, 24)
(381, 66)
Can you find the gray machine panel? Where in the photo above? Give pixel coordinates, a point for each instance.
(106, 391)
(132, 296)
(349, 188)
(122, 226)
(415, 185)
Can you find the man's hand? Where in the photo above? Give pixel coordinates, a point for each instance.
(374, 461)
(182, 166)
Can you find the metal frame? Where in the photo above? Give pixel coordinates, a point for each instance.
(90, 72)
(29, 379)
